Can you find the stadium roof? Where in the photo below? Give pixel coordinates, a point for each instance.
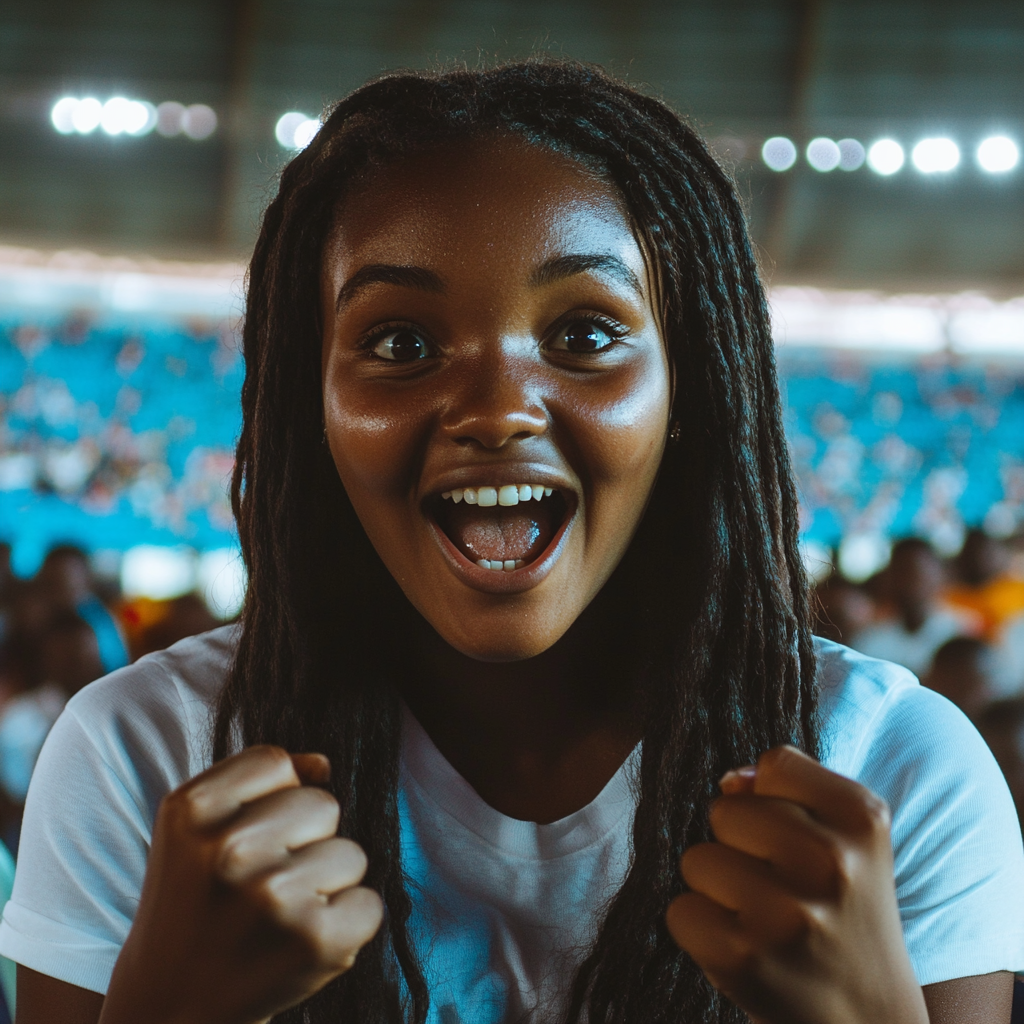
(746, 71)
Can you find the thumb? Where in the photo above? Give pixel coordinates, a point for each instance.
(312, 769)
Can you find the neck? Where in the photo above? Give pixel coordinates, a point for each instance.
(539, 738)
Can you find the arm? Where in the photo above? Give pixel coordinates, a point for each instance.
(45, 1000)
(985, 999)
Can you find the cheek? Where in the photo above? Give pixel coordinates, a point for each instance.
(625, 428)
(372, 442)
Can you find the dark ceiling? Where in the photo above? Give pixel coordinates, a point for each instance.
(744, 69)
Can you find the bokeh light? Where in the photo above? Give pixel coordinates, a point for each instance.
(86, 115)
(936, 156)
(998, 154)
(823, 154)
(779, 153)
(118, 116)
(198, 121)
(63, 113)
(851, 155)
(124, 116)
(306, 132)
(168, 118)
(295, 130)
(885, 157)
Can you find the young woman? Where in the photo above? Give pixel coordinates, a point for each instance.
(514, 498)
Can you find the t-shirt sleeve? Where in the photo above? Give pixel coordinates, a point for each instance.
(117, 749)
(956, 839)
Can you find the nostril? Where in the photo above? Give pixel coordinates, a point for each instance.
(494, 431)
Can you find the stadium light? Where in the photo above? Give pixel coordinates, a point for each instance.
(63, 113)
(998, 154)
(851, 155)
(885, 157)
(823, 154)
(198, 121)
(295, 131)
(87, 114)
(128, 117)
(779, 153)
(123, 116)
(936, 156)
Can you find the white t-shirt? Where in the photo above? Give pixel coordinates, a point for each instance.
(503, 908)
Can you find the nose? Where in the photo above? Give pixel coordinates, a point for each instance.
(494, 401)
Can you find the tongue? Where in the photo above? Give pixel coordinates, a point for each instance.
(515, 533)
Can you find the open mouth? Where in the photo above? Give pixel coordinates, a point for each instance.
(501, 528)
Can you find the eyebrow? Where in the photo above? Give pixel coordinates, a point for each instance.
(385, 273)
(558, 268)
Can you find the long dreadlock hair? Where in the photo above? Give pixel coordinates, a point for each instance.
(728, 667)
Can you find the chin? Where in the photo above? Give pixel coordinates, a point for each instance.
(508, 647)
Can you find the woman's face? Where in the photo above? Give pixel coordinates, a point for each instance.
(489, 335)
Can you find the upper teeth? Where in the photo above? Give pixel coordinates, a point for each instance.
(510, 494)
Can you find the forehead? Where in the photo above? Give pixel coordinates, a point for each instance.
(497, 204)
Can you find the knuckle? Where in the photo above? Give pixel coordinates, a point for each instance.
(353, 854)
(717, 813)
(743, 959)
(189, 804)
(268, 895)
(321, 802)
(774, 759)
(231, 857)
(802, 923)
(877, 816)
(269, 755)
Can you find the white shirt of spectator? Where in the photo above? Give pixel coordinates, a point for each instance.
(890, 640)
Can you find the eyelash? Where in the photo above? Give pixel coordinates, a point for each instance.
(369, 340)
(615, 330)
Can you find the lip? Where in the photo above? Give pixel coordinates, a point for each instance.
(488, 580)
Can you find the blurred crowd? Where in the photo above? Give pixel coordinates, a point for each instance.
(60, 630)
(956, 623)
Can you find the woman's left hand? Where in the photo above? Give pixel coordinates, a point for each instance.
(792, 914)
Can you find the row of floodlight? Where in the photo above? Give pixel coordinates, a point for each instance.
(122, 116)
(938, 155)
(996, 154)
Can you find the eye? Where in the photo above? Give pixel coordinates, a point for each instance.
(402, 346)
(582, 336)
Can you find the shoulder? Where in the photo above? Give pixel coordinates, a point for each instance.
(856, 695)
(877, 723)
(956, 840)
(158, 710)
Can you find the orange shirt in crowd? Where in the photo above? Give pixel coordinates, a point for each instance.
(995, 602)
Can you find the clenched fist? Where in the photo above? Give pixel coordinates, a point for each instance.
(792, 913)
(251, 903)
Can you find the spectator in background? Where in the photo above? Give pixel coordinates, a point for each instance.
(915, 622)
(8, 581)
(66, 581)
(1002, 726)
(1010, 644)
(184, 616)
(68, 659)
(841, 610)
(964, 670)
(983, 585)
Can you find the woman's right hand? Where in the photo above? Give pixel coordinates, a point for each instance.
(251, 903)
